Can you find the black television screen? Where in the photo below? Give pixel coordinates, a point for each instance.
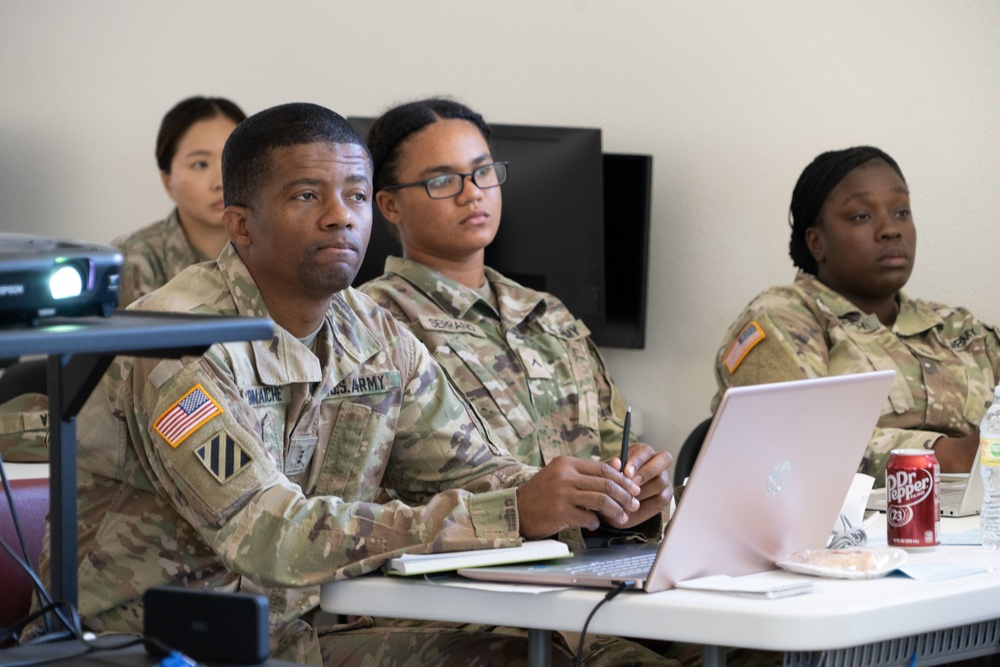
(628, 188)
(552, 229)
(551, 235)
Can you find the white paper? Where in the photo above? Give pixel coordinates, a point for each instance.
(750, 586)
(855, 502)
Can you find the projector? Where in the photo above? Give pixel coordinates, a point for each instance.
(42, 277)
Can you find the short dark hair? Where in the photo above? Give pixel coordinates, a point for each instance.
(814, 186)
(398, 123)
(246, 157)
(182, 116)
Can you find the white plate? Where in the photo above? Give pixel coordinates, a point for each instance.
(850, 563)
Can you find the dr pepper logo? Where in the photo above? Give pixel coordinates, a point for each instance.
(903, 489)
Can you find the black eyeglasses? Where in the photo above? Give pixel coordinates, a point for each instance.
(449, 185)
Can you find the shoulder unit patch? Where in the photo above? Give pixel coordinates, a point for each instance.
(223, 457)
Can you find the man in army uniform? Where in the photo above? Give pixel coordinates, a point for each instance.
(854, 240)
(264, 466)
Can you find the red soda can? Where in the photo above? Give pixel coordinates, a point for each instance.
(912, 499)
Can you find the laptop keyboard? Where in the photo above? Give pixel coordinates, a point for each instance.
(624, 567)
(952, 495)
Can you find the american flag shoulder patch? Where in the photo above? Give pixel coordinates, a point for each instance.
(745, 341)
(223, 457)
(187, 415)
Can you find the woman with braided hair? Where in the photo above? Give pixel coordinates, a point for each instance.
(854, 243)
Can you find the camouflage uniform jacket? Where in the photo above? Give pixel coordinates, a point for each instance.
(153, 256)
(261, 466)
(530, 370)
(946, 361)
(24, 429)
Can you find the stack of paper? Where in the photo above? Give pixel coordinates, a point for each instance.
(409, 564)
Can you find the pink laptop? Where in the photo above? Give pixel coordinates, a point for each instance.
(771, 478)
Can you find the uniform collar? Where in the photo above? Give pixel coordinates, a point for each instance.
(457, 299)
(343, 343)
(910, 320)
(178, 238)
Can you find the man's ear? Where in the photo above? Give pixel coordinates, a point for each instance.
(814, 241)
(237, 222)
(389, 206)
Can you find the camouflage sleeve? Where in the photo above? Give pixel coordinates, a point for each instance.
(885, 440)
(140, 273)
(993, 350)
(612, 405)
(321, 538)
(773, 340)
(441, 440)
(24, 429)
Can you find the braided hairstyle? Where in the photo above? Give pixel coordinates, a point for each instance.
(395, 125)
(814, 186)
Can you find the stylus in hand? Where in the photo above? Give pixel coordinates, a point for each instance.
(628, 425)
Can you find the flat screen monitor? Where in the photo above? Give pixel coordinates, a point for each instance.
(628, 189)
(552, 230)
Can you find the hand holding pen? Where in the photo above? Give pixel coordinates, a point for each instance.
(649, 471)
(625, 436)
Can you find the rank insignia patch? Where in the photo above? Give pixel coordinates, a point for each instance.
(185, 416)
(745, 341)
(222, 457)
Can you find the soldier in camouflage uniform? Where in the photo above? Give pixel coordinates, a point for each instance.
(262, 466)
(528, 366)
(188, 153)
(24, 422)
(854, 240)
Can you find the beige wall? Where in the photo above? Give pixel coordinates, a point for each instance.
(733, 99)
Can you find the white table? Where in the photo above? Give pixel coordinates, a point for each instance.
(844, 614)
(26, 470)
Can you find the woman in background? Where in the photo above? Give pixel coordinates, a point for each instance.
(854, 242)
(189, 155)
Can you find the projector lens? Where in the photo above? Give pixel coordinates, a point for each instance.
(65, 283)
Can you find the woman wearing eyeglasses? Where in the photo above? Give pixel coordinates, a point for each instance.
(527, 365)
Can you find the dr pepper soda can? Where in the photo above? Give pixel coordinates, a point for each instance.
(912, 499)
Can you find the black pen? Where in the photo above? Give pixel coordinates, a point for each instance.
(628, 425)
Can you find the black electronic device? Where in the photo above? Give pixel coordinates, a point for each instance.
(551, 235)
(628, 193)
(207, 625)
(42, 277)
(575, 223)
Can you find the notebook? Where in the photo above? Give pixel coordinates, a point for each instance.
(771, 478)
(961, 493)
(444, 561)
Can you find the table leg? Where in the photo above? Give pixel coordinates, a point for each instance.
(539, 648)
(713, 656)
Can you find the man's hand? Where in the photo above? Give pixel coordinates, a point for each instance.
(575, 493)
(647, 468)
